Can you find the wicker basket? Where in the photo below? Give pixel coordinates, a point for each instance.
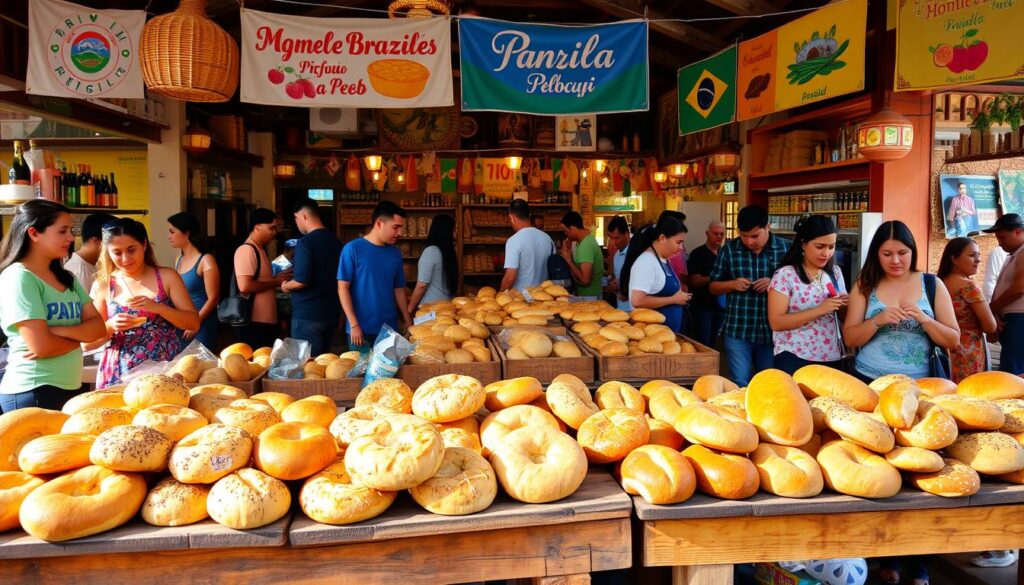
(187, 57)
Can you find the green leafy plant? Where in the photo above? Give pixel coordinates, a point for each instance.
(1004, 109)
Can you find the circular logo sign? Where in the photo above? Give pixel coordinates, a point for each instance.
(90, 53)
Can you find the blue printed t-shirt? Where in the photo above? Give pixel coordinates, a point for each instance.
(315, 253)
(373, 273)
(28, 299)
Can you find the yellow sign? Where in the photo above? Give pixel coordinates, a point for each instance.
(943, 44)
(755, 76)
(498, 179)
(821, 55)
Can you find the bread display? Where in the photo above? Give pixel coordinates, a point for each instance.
(659, 474)
(236, 363)
(83, 502)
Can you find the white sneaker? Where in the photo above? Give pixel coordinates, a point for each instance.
(995, 558)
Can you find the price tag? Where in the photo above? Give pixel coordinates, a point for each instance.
(526, 295)
(424, 318)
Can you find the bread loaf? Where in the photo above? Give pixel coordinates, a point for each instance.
(935, 386)
(619, 395)
(722, 475)
(933, 428)
(659, 474)
(856, 427)
(915, 459)
(787, 471)
(954, 480)
(818, 380)
(538, 465)
(646, 316)
(992, 386)
(609, 435)
(777, 409)
(988, 453)
(248, 498)
(970, 413)
(853, 470)
(570, 400)
(464, 484)
(708, 425)
(712, 385)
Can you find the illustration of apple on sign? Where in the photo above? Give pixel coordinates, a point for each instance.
(967, 56)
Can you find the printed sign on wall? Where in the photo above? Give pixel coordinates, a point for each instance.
(75, 51)
(550, 69)
(942, 44)
(347, 62)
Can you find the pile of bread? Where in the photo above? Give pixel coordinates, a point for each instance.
(793, 436)
(330, 366)
(522, 343)
(238, 363)
(511, 307)
(451, 337)
(613, 332)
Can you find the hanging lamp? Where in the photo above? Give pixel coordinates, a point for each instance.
(418, 8)
(196, 139)
(885, 136)
(186, 56)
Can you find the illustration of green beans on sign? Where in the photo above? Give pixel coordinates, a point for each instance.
(816, 56)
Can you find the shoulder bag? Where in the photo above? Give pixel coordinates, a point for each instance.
(236, 309)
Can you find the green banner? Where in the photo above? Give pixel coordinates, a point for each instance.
(449, 183)
(707, 92)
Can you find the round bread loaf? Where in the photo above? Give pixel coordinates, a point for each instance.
(954, 480)
(619, 395)
(536, 344)
(853, 470)
(787, 471)
(206, 399)
(106, 398)
(613, 334)
(898, 404)
(936, 386)
(448, 397)
(566, 349)
(992, 386)
(330, 497)
(734, 401)
(854, 426)
(665, 402)
(646, 316)
(818, 380)
(55, 453)
(463, 433)
(1013, 411)
(151, 389)
(664, 434)
(713, 427)
(210, 453)
(649, 388)
(252, 416)
(879, 384)
(237, 367)
(658, 474)
(93, 421)
(464, 484)
(499, 424)
(294, 450)
(402, 451)
(175, 422)
(242, 349)
(586, 328)
(506, 393)
(248, 498)
(277, 400)
(933, 428)
(356, 422)
(988, 453)
(609, 435)
(81, 503)
(172, 503)
(539, 464)
(777, 409)
(712, 385)
(15, 486)
(722, 475)
(479, 352)
(20, 426)
(970, 413)
(131, 448)
(915, 459)
(569, 399)
(316, 410)
(391, 393)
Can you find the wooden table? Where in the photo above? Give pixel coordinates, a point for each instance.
(561, 542)
(704, 537)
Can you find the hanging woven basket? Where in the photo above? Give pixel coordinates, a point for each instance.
(186, 56)
(418, 8)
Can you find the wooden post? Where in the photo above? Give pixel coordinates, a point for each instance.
(703, 575)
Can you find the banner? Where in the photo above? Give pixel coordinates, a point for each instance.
(943, 44)
(550, 69)
(75, 51)
(707, 92)
(345, 62)
(816, 57)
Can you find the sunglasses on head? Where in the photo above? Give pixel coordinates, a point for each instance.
(118, 224)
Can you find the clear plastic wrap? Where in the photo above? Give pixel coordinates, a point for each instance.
(389, 351)
(287, 359)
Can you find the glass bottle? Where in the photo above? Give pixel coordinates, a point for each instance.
(19, 173)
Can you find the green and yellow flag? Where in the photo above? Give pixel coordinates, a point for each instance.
(707, 92)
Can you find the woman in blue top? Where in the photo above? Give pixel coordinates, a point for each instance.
(437, 276)
(647, 280)
(892, 321)
(201, 275)
(45, 314)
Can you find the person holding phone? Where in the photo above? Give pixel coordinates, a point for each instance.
(805, 297)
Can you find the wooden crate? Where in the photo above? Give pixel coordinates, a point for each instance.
(546, 369)
(642, 368)
(486, 372)
(250, 387)
(343, 390)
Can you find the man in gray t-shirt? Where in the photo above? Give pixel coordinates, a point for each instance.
(527, 251)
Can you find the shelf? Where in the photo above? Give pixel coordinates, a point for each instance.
(10, 208)
(207, 201)
(811, 169)
(505, 205)
(984, 157)
(429, 208)
(358, 203)
(221, 155)
(816, 212)
(853, 109)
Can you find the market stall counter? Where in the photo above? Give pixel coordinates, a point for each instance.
(704, 537)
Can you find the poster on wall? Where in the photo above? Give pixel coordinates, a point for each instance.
(76, 51)
(970, 203)
(944, 44)
(576, 133)
(310, 62)
(550, 69)
(707, 92)
(1011, 191)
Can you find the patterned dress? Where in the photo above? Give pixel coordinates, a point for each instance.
(154, 340)
(815, 341)
(968, 357)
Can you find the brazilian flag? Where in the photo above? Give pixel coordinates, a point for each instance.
(707, 92)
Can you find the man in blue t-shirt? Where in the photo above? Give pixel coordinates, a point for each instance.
(371, 279)
(314, 301)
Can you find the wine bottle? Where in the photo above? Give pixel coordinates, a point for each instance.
(113, 191)
(90, 186)
(19, 173)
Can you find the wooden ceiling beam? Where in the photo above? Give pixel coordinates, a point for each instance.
(679, 31)
(745, 7)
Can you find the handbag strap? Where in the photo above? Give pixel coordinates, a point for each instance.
(233, 289)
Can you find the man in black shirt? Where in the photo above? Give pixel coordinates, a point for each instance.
(707, 313)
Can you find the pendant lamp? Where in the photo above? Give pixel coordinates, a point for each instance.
(186, 56)
(885, 136)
